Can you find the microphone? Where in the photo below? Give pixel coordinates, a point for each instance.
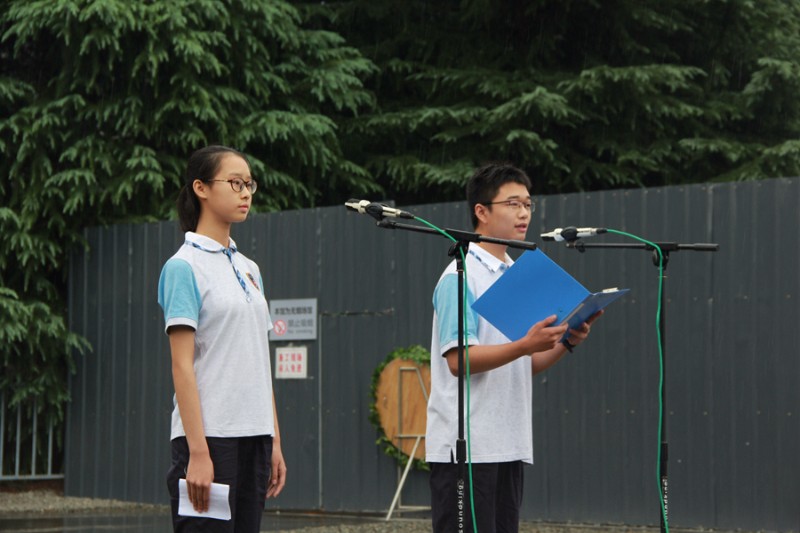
(376, 210)
(571, 233)
(359, 206)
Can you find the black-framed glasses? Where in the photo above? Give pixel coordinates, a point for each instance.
(516, 205)
(237, 184)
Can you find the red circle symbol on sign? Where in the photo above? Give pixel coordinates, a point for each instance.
(280, 327)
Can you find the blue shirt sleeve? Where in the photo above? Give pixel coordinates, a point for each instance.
(178, 294)
(445, 304)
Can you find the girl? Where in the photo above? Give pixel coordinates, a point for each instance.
(224, 423)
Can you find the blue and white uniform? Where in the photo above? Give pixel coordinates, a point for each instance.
(500, 400)
(219, 292)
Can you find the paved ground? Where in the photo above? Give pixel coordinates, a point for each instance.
(45, 510)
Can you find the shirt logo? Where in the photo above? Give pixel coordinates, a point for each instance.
(252, 280)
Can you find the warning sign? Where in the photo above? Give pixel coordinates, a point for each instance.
(291, 362)
(293, 320)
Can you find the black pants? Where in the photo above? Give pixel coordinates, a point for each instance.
(498, 497)
(243, 463)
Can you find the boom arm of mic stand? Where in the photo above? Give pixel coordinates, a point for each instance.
(665, 247)
(581, 246)
(457, 234)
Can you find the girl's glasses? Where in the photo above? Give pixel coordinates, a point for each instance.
(237, 184)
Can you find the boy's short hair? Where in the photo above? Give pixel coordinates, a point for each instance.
(485, 182)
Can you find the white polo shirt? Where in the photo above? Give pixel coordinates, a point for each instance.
(199, 287)
(500, 399)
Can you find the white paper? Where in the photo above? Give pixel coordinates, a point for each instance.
(218, 506)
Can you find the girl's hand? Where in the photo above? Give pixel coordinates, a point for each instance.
(277, 478)
(199, 475)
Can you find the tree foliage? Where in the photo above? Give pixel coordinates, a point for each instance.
(584, 95)
(101, 101)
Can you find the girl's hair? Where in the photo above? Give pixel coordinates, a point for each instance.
(203, 165)
(487, 180)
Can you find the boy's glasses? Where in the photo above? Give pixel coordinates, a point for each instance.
(516, 205)
(237, 184)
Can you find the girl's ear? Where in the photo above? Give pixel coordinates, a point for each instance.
(200, 188)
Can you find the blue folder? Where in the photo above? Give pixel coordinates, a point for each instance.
(534, 288)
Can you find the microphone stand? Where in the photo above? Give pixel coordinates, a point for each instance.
(457, 250)
(666, 248)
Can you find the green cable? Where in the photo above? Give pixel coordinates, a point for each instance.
(466, 379)
(660, 364)
(469, 438)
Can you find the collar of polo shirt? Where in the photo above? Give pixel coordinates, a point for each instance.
(208, 243)
(491, 263)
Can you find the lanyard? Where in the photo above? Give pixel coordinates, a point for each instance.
(501, 267)
(227, 252)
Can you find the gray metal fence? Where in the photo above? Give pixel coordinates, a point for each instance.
(732, 358)
(28, 443)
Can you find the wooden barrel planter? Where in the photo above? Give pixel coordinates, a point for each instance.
(400, 388)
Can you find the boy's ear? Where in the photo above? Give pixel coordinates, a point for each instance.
(481, 213)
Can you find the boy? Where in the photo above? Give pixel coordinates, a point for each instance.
(501, 371)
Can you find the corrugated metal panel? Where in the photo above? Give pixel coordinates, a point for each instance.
(603, 402)
(285, 247)
(731, 358)
(755, 356)
(118, 419)
(358, 265)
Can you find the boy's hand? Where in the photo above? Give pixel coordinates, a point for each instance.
(577, 336)
(542, 336)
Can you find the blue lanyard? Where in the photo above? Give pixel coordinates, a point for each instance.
(502, 267)
(227, 252)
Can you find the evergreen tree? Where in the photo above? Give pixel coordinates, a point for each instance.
(101, 102)
(583, 95)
